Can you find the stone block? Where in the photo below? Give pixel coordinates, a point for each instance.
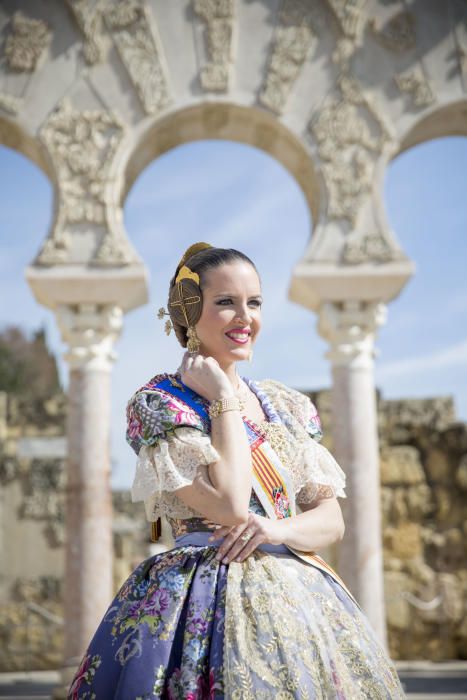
(401, 465)
(437, 465)
(403, 541)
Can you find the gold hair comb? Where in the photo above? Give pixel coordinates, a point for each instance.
(187, 274)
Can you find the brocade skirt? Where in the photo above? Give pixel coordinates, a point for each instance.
(184, 626)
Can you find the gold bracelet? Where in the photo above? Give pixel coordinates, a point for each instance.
(229, 403)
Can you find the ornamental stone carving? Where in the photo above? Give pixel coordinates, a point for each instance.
(350, 16)
(90, 331)
(398, 34)
(350, 135)
(218, 16)
(88, 16)
(26, 43)
(350, 329)
(141, 52)
(370, 247)
(292, 42)
(81, 146)
(417, 86)
(9, 103)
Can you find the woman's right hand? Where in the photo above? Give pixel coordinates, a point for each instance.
(205, 376)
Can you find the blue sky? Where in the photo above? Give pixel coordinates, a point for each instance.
(232, 195)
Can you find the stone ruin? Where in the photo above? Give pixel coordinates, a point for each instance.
(424, 510)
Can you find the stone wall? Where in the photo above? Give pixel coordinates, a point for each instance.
(424, 508)
(32, 449)
(423, 470)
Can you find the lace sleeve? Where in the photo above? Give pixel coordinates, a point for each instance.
(322, 476)
(170, 464)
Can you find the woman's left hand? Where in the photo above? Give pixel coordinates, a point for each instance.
(234, 548)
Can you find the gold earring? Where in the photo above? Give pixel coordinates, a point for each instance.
(168, 324)
(194, 343)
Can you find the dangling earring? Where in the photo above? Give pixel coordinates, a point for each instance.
(168, 324)
(250, 356)
(194, 343)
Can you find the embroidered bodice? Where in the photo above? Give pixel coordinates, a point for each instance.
(172, 440)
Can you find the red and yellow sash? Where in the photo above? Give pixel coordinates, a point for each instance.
(273, 487)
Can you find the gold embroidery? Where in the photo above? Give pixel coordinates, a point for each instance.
(276, 435)
(289, 635)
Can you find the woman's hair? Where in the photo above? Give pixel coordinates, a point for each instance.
(200, 262)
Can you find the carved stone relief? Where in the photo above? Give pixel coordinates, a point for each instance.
(90, 331)
(364, 248)
(350, 328)
(350, 135)
(81, 146)
(26, 43)
(416, 84)
(88, 16)
(141, 52)
(292, 41)
(9, 103)
(218, 16)
(350, 16)
(398, 34)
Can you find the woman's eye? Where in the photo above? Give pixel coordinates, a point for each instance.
(256, 302)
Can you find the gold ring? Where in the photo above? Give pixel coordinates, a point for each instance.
(247, 535)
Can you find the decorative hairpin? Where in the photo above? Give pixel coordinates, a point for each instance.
(186, 274)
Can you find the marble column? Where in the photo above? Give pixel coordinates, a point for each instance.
(350, 329)
(90, 331)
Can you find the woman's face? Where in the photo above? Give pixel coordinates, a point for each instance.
(231, 316)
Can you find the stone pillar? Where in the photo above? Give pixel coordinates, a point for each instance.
(350, 329)
(90, 331)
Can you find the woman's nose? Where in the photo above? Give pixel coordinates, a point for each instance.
(244, 314)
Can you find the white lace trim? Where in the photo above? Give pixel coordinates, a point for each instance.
(314, 471)
(169, 465)
(319, 469)
(175, 460)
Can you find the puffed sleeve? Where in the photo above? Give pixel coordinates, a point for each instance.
(172, 449)
(322, 477)
(314, 471)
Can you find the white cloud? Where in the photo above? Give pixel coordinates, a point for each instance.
(448, 357)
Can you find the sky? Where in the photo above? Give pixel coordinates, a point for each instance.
(233, 195)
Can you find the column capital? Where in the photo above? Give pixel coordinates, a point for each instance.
(350, 328)
(90, 331)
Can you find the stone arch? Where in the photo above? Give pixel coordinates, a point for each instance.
(346, 82)
(447, 120)
(232, 122)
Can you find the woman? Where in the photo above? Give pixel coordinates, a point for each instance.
(242, 607)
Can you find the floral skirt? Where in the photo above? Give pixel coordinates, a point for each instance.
(184, 626)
